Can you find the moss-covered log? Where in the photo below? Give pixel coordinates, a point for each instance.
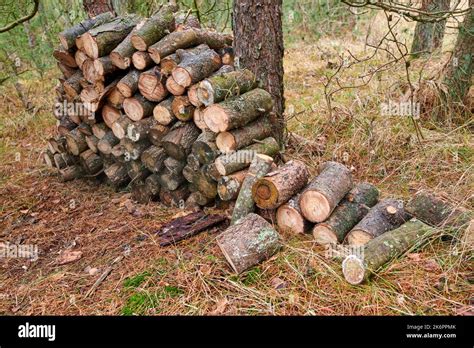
(241, 137)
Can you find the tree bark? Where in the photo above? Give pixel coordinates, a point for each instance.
(228, 187)
(95, 8)
(258, 46)
(204, 148)
(196, 67)
(179, 140)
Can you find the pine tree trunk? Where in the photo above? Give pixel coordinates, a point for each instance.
(258, 46)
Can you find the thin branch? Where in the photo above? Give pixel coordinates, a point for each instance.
(22, 19)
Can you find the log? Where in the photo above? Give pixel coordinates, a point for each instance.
(137, 107)
(101, 40)
(174, 166)
(204, 184)
(117, 174)
(238, 111)
(128, 85)
(232, 162)
(108, 141)
(198, 119)
(290, 218)
(93, 96)
(66, 71)
(384, 216)
(379, 251)
(179, 140)
(118, 152)
(119, 127)
(241, 137)
(122, 54)
(187, 226)
(192, 96)
(194, 68)
(187, 38)
(248, 242)
(91, 162)
(204, 148)
(176, 198)
(169, 63)
(437, 212)
(110, 114)
(96, 70)
(99, 129)
(84, 128)
(227, 55)
(185, 20)
(65, 125)
(325, 191)
(92, 142)
(142, 60)
(156, 134)
(228, 187)
(63, 160)
(134, 150)
(115, 98)
(182, 108)
(65, 57)
(153, 158)
(163, 112)
(137, 171)
(188, 173)
(153, 185)
(76, 142)
(48, 158)
(170, 181)
(193, 162)
(173, 87)
(196, 199)
(68, 36)
(218, 88)
(348, 213)
(212, 172)
(244, 205)
(71, 173)
(151, 85)
(72, 86)
(80, 57)
(154, 29)
(139, 192)
(57, 144)
(139, 130)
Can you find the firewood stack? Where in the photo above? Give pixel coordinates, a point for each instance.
(158, 107)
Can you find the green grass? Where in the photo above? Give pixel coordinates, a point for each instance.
(136, 281)
(140, 303)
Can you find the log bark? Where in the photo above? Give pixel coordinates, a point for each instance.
(290, 218)
(65, 125)
(153, 158)
(139, 130)
(155, 28)
(153, 186)
(66, 71)
(179, 140)
(248, 243)
(238, 111)
(101, 40)
(169, 180)
(204, 148)
(196, 67)
(137, 171)
(151, 85)
(63, 160)
(188, 173)
(174, 166)
(279, 186)
(137, 107)
(68, 36)
(437, 212)
(182, 108)
(348, 213)
(163, 112)
(128, 85)
(121, 55)
(108, 141)
(76, 142)
(134, 150)
(325, 191)
(244, 205)
(117, 174)
(71, 173)
(384, 216)
(218, 88)
(176, 198)
(84, 128)
(204, 184)
(379, 251)
(72, 86)
(197, 199)
(91, 162)
(156, 134)
(232, 162)
(184, 39)
(241, 137)
(228, 187)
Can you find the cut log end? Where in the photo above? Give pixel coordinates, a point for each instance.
(119, 61)
(315, 206)
(90, 45)
(353, 269)
(139, 43)
(182, 77)
(289, 219)
(216, 118)
(324, 235)
(206, 93)
(358, 237)
(225, 141)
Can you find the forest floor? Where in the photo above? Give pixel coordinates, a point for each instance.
(193, 277)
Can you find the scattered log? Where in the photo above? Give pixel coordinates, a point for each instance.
(154, 29)
(173, 87)
(153, 158)
(188, 226)
(290, 218)
(232, 162)
(379, 251)
(179, 140)
(241, 137)
(68, 36)
(218, 88)
(244, 205)
(101, 40)
(238, 111)
(107, 142)
(128, 85)
(384, 216)
(65, 57)
(117, 174)
(194, 68)
(348, 213)
(137, 107)
(163, 112)
(71, 173)
(91, 162)
(325, 191)
(151, 85)
(187, 38)
(204, 148)
(76, 142)
(156, 134)
(248, 242)
(182, 108)
(228, 187)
